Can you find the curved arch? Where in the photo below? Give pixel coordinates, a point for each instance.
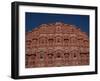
(58, 54)
(42, 40)
(58, 29)
(74, 57)
(50, 40)
(35, 41)
(66, 39)
(58, 40)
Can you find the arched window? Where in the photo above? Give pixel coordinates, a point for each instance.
(33, 56)
(84, 55)
(50, 56)
(28, 42)
(41, 55)
(35, 40)
(86, 43)
(73, 40)
(58, 39)
(30, 60)
(42, 40)
(74, 55)
(58, 54)
(66, 40)
(84, 58)
(58, 29)
(66, 55)
(51, 40)
(80, 40)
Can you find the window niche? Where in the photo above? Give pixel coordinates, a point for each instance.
(51, 40)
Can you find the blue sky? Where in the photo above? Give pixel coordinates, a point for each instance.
(33, 20)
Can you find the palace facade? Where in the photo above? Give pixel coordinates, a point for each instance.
(56, 44)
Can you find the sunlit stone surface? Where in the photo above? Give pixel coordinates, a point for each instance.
(56, 44)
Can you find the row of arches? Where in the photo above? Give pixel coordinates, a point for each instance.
(57, 40)
(57, 28)
(59, 55)
(57, 58)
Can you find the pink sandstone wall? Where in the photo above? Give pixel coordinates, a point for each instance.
(56, 44)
